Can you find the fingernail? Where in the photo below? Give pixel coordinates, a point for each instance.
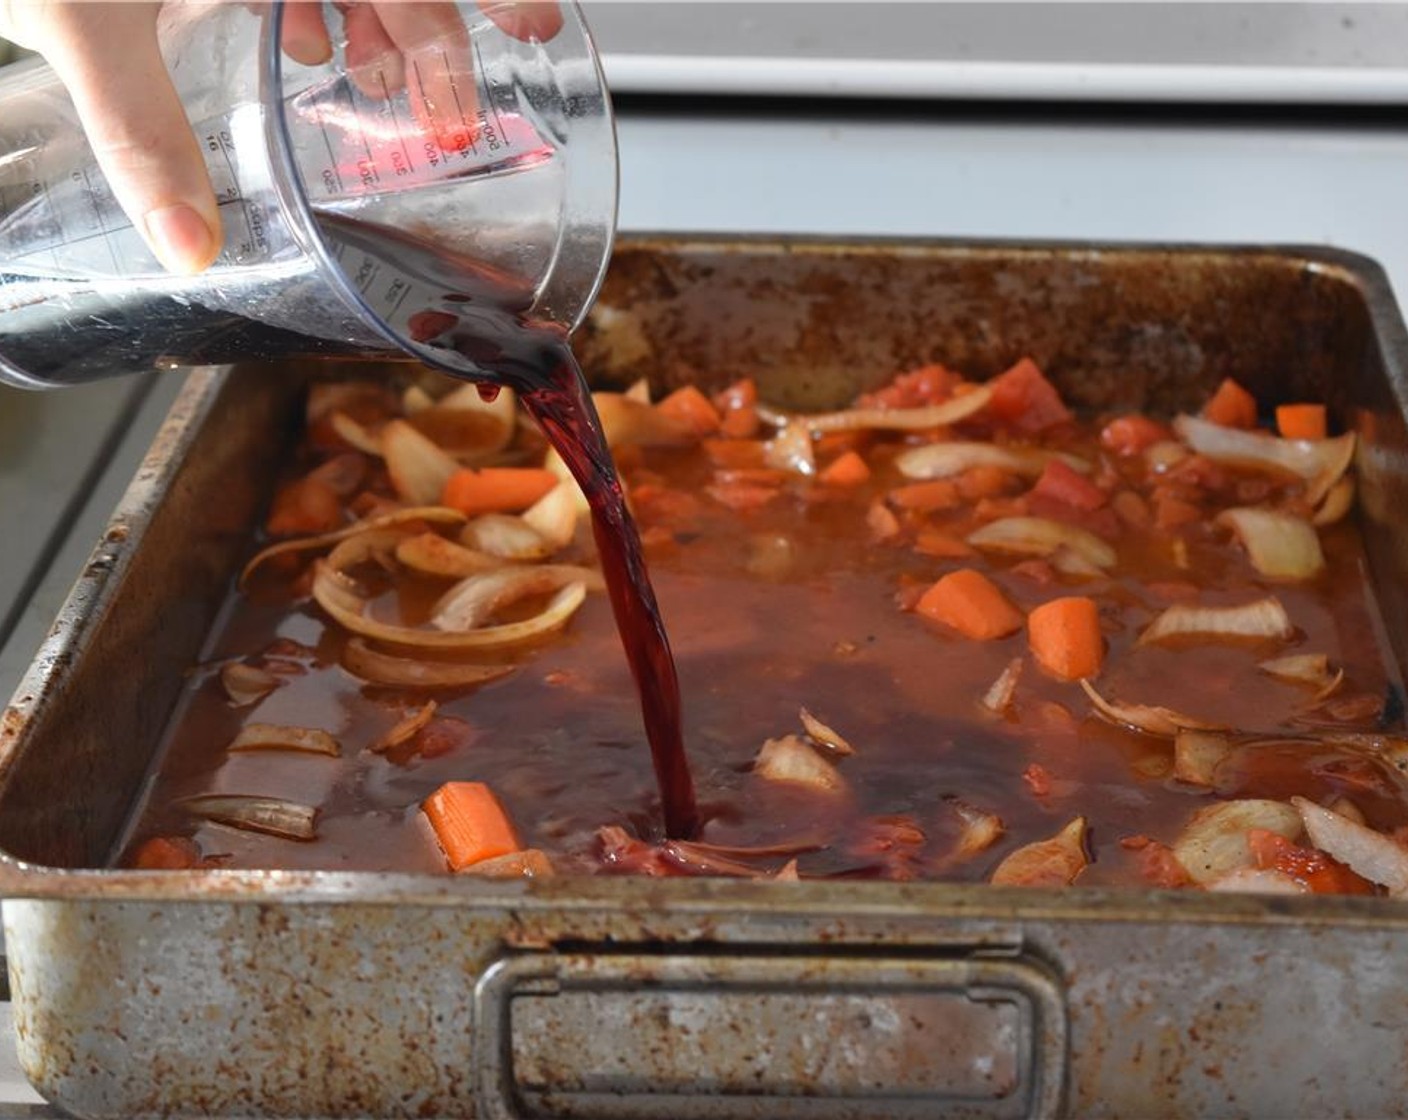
(181, 238)
(309, 50)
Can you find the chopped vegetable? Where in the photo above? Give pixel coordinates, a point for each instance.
(691, 410)
(1371, 854)
(308, 505)
(1264, 618)
(167, 853)
(1197, 754)
(496, 489)
(507, 537)
(477, 598)
(1047, 863)
(278, 737)
(998, 698)
(244, 684)
(465, 425)
(1319, 462)
(1231, 406)
(1257, 880)
(405, 729)
(822, 735)
(946, 459)
(936, 494)
(1307, 866)
(419, 469)
(1311, 669)
(901, 419)
(469, 823)
(1338, 501)
(1301, 421)
(969, 602)
(980, 831)
(532, 863)
(274, 816)
(1039, 536)
(847, 469)
(793, 761)
(791, 450)
(1061, 483)
(1161, 722)
(1214, 841)
(1024, 398)
(391, 671)
(1279, 545)
(1132, 434)
(433, 555)
(1065, 637)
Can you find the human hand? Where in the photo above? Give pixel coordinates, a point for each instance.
(107, 56)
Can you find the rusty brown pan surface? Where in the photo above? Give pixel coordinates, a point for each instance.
(324, 993)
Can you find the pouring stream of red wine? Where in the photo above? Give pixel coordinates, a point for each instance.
(480, 320)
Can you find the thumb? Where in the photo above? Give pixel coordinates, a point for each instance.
(107, 56)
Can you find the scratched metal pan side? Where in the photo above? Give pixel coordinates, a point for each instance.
(344, 994)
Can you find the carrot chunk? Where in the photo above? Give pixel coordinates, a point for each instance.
(969, 602)
(1024, 398)
(1131, 434)
(1065, 637)
(938, 493)
(692, 409)
(470, 823)
(1231, 406)
(934, 542)
(496, 489)
(1301, 421)
(847, 470)
(1062, 483)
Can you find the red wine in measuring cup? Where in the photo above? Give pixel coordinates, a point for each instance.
(476, 327)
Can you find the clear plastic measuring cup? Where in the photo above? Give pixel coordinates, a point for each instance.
(364, 205)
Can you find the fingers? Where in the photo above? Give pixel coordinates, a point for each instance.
(439, 67)
(524, 19)
(304, 37)
(107, 56)
(373, 60)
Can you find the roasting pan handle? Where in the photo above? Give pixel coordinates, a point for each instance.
(775, 1035)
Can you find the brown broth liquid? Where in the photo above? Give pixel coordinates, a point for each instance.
(773, 609)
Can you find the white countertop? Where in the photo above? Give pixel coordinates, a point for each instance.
(726, 166)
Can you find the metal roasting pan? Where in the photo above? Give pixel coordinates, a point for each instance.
(233, 993)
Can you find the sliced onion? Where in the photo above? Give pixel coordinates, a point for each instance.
(346, 606)
(1214, 841)
(699, 861)
(902, 419)
(981, 830)
(1321, 462)
(1257, 880)
(476, 599)
(998, 697)
(281, 737)
(405, 729)
(272, 816)
(1368, 853)
(554, 516)
(760, 851)
(788, 873)
(791, 450)
(1164, 723)
(1069, 562)
(639, 390)
(628, 423)
(1347, 809)
(465, 425)
(391, 671)
(792, 760)
(945, 459)
(416, 399)
(506, 536)
(435, 515)
(1279, 545)
(244, 684)
(531, 863)
(819, 733)
(1040, 536)
(1264, 618)
(327, 397)
(355, 434)
(1339, 500)
(418, 468)
(1198, 754)
(555, 463)
(1311, 669)
(432, 555)
(1047, 863)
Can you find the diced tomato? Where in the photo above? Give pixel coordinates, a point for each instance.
(1062, 483)
(984, 482)
(1025, 399)
(936, 494)
(1318, 871)
(167, 853)
(1171, 511)
(932, 384)
(1158, 866)
(1038, 779)
(735, 452)
(1132, 433)
(742, 496)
